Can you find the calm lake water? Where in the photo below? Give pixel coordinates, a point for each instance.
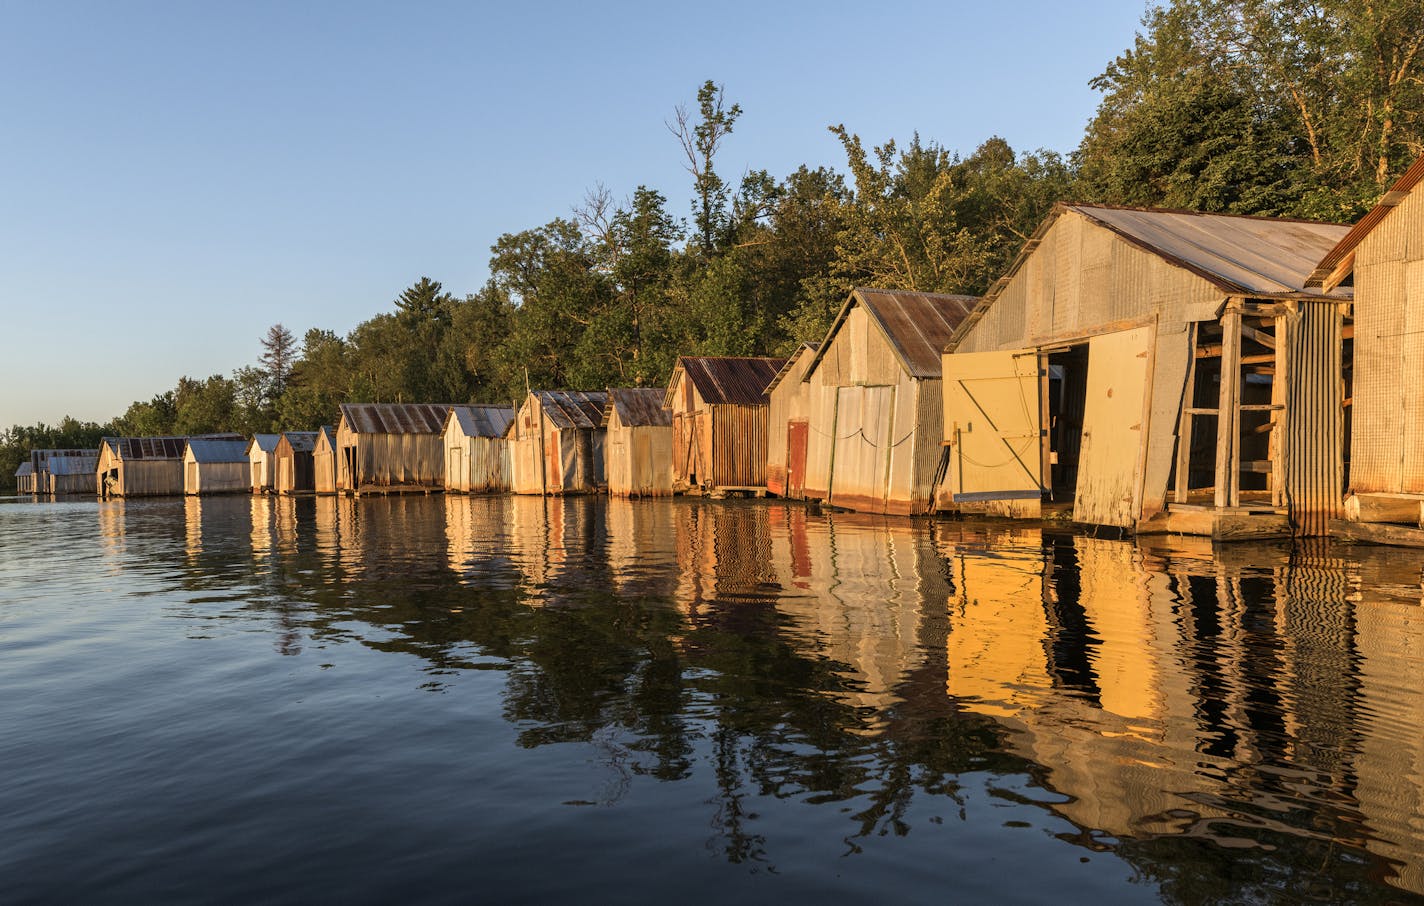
(450, 699)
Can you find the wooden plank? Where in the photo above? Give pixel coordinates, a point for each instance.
(1382, 508)
(1377, 533)
(1227, 445)
(1184, 429)
(1110, 462)
(1258, 336)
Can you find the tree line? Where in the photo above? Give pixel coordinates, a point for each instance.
(1304, 108)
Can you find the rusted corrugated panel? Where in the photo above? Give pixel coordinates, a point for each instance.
(395, 418)
(918, 325)
(482, 420)
(301, 441)
(731, 379)
(1314, 479)
(573, 408)
(639, 407)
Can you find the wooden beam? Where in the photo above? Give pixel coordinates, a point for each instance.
(1228, 482)
(1184, 426)
(1258, 336)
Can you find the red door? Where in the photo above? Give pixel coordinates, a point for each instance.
(796, 434)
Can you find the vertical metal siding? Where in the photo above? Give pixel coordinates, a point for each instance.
(1315, 418)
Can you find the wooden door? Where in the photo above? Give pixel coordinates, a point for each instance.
(993, 423)
(1110, 460)
(797, 435)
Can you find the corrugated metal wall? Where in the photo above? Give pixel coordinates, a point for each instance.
(639, 460)
(391, 460)
(476, 465)
(149, 478)
(324, 469)
(738, 446)
(1315, 426)
(216, 477)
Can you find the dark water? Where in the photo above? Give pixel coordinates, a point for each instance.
(450, 699)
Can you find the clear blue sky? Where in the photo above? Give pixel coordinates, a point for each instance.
(176, 177)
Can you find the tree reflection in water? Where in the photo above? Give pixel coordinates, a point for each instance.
(1238, 722)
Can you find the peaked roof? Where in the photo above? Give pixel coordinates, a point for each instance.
(480, 420)
(1341, 257)
(264, 442)
(572, 408)
(395, 418)
(26, 468)
(801, 352)
(729, 379)
(916, 325)
(300, 441)
(329, 433)
(211, 450)
(638, 407)
(1262, 257)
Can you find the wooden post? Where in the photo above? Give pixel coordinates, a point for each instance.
(1045, 468)
(1280, 382)
(1228, 417)
(1184, 425)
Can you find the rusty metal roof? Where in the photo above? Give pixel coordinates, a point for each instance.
(264, 442)
(805, 349)
(916, 325)
(169, 447)
(300, 441)
(71, 465)
(638, 407)
(213, 450)
(481, 420)
(573, 408)
(1247, 255)
(395, 418)
(1365, 225)
(730, 379)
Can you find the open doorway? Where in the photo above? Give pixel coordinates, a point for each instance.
(1067, 386)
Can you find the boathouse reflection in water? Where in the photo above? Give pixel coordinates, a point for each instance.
(1193, 710)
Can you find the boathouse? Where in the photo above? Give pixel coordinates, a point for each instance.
(1154, 370)
(639, 443)
(144, 466)
(259, 454)
(390, 446)
(556, 443)
(71, 474)
(476, 452)
(875, 401)
(25, 478)
(787, 420)
(324, 461)
(293, 470)
(215, 466)
(719, 422)
(1383, 255)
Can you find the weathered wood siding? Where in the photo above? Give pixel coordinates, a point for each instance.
(82, 483)
(1387, 423)
(263, 474)
(324, 471)
(293, 471)
(216, 477)
(544, 459)
(788, 402)
(874, 430)
(144, 477)
(1084, 281)
(639, 459)
(476, 465)
(390, 460)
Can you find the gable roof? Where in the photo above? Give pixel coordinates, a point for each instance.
(916, 325)
(395, 418)
(26, 468)
(729, 379)
(212, 450)
(264, 442)
(801, 351)
(300, 441)
(1261, 257)
(480, 420)
(638, 407)
(572, 408)
(1341, 257)
(327, 433)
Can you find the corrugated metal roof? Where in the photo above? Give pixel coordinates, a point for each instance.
(730, 379)
(1362, 228)
(71, 465)
(300, 441)
(169, 447)
(1248, 255)
(482, 420)
(918, 325)
(805, 349)
(638, 407)
(573, 408)
(210, 450)
(26, 468)
(264, 442)
(395, 418)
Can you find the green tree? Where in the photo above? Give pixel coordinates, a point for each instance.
(700, 138)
